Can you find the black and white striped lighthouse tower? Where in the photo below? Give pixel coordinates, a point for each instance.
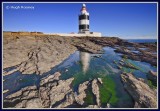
(84, 20)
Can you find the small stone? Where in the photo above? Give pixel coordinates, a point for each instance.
(100, 80)
(5, 91)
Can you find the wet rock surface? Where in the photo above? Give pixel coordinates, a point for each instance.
(48, 93)
(19, 99)
(135, 53)
(69, 100)
(143, 95)
(122, 63)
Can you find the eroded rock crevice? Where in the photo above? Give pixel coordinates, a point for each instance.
(52, 93)
(143, 95)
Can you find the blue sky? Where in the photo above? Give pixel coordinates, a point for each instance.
(125, 20)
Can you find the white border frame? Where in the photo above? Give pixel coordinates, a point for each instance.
(81, 108)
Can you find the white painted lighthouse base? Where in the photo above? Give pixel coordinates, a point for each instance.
(91, 34)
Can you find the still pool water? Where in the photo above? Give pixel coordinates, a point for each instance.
(83, 67)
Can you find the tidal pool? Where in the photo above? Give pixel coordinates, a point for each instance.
(83, 67)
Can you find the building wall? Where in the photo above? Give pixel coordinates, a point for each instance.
(91, 34)
(94, 34)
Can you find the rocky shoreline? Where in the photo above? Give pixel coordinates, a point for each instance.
(51, 91)
(143, 95)
(38, 54)
(55, 93)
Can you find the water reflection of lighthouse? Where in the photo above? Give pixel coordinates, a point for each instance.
(85, 60)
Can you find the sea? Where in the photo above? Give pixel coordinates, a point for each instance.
(142, 40)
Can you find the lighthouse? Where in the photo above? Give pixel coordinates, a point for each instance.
(84, 30)
(84, 20)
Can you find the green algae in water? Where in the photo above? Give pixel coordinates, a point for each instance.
(104, 95)
(78, 79)
(81, 77)
(90, 98)
(108, 91)
(142, 66)
(128, 61)
(152, 84)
